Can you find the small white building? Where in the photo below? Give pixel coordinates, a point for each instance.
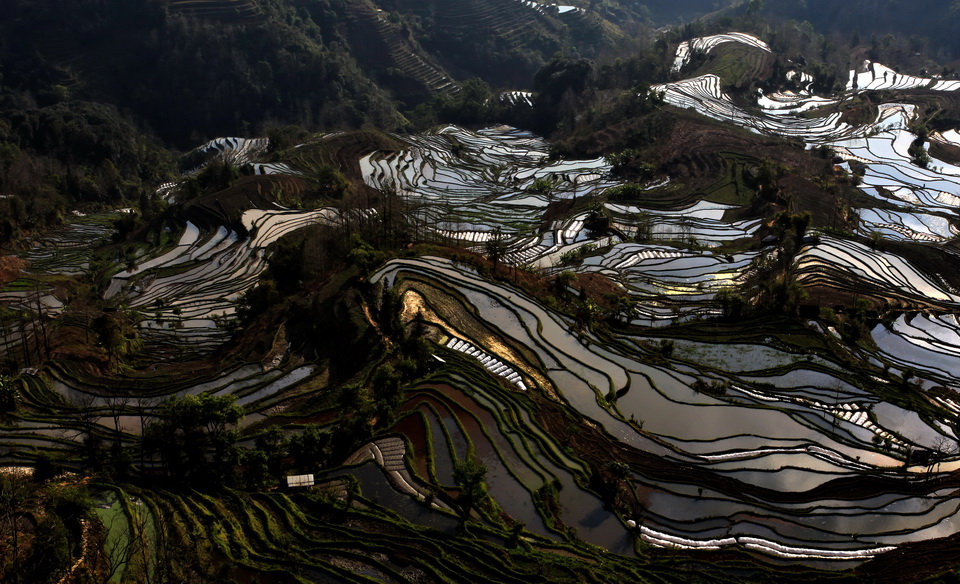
(299, 481)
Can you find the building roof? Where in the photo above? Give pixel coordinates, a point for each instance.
(300, 480)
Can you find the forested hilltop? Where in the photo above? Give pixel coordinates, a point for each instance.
(926, 27)
(478, 291)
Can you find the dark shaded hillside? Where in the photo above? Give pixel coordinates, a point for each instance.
(501, 41)
(927, 26)
(667, 12)
(189, 73)
(194, 70)
(68, 154)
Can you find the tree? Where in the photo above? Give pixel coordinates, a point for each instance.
(362, 254)
(125, 554)
(644, 225)
(117, 335)
(731, 304)
(495, 247)
(40, 318)
(13, 493)
(274, 446)
(943, 447)
(626, 307)
(544, 187)
(470, 475)
(312, 447)
(85, 415)
(387, 387)
(562, 283)
(195, 435)
(918, 154)
(287, 263)
(561, 85)
(331, 182)
(9, 394)
(392, 214)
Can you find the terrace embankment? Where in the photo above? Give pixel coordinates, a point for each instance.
(930, 259)
(245, 12)
(344, 151)
(253, 192)
(912, 562)
(10, 267)
(718, 161)
(598, 449)
(695, 139)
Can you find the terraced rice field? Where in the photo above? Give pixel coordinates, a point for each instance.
(769, 437)
(471, 186)
(226, 11)
(708, 43)
(790, 424)
(917, 202)
(786, 426)
(66, 404)
(523, 98)
(65, 252)
(467, 184)
(508, 20)
(257, 531)
(385, 45)
(787, 422)
(875, 76)
(68, 251)
(187, 293)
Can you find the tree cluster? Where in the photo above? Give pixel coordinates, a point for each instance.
(194, 438)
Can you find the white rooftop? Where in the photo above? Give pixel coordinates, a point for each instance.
(300, 481)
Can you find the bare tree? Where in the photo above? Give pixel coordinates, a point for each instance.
(13, 492)
(85, 415)
(943, 447)
(120, 550)
(117, 406)
(496, 248)
(24, 338)
(43, 326)
(145, 407)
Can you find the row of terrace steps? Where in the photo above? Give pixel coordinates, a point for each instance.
(574, 15)
(338, 488)
(489, 362)
(237, 151)
(389, 454)
(397, 52)
(224, 11)
(811, 274)
(510, 20)
(525, 253)
(858, 416)
(13, 337)
(232, 150)
(160, 349)
(73, 61)
(531, 249)
(911, 234)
